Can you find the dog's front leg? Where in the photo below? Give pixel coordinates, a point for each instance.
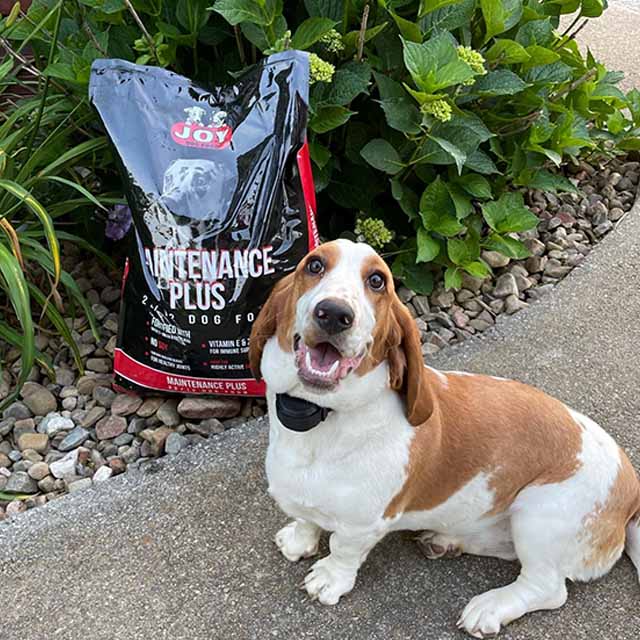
(333, 576)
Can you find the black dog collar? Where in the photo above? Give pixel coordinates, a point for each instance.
(297, 414)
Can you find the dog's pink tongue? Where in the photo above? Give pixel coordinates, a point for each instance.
(323, 356)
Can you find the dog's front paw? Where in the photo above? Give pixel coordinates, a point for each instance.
(298, 540)
(328, 583)
(488, 612)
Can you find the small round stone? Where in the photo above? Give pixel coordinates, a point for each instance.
(495, 259)
(37, 441)
(73, 439)
(15, 507)
(92, 416)
(38, 470)
(117, 465)
(175, 443)
(69, 403)
(104, 396)
(149, 407)
(110, 427)
(505, 286)
(102, 474)
(199, 408)
(206, 427)
(125, 404)
(38, 399)
(19, 482)
(17, 410)
(168, 413)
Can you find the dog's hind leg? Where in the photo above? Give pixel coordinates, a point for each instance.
(540, 546)
(299, 539)
(574, 528)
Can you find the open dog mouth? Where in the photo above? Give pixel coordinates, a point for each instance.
(322, 366)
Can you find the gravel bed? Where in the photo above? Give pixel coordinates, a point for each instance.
(66, 435)
(571, 224)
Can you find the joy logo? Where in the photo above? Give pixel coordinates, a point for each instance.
(194, 133)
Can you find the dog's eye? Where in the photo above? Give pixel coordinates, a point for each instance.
(315, 266)
(376, 281)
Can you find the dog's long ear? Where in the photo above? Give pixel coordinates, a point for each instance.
(406, 366)
(268, 321)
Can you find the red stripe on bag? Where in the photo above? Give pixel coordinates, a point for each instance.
(309, 193)
(145, 376)
(125, 275)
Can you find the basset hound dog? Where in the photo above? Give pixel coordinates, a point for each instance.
(479, 464)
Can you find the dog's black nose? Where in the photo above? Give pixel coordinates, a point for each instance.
(333, 316)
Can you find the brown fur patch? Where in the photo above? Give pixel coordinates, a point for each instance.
(274, 317)
(387, 332)
(278, 313)
(515, 433)
(397, 340)
(605, 527)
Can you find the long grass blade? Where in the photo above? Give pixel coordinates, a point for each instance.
(23, 109)
(45, 88)
(60, 208)
(14, 338)
(47, 224)
(78, 187)
(5, 68)
(18, 295)
(32, 250)
(58, 322)
(77, 151)
(38, 27)
(8, 497)
(11, 140)
(57, 139)
(13, 240)
(77, 240)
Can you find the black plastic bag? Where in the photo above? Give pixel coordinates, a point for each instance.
(220, 188)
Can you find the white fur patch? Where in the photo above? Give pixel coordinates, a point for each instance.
(344, 472)
(460, 515)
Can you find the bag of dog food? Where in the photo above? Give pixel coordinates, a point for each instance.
(220, 188)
